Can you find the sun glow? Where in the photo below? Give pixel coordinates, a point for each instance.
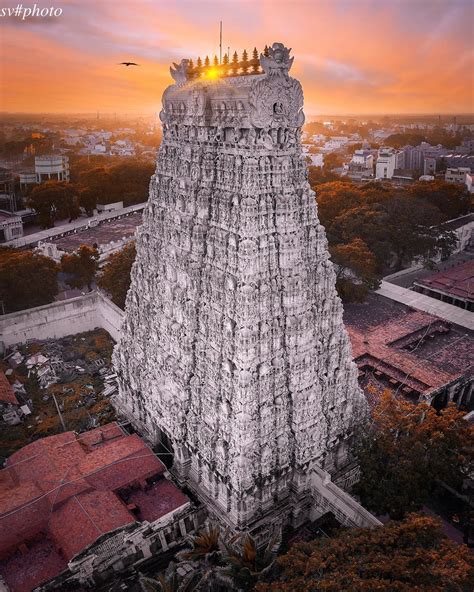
(213, 73)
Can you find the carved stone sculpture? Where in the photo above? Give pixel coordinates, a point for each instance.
(233, 352)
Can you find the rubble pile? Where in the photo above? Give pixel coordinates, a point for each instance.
(59, 384)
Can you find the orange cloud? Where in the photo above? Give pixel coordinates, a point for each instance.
(352, 56)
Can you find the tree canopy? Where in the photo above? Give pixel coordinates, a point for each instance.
(103, 183)
(27, 279)
(115, 276)
(81, 266)
(355, 269)
(54, 200)
(398, 557)
(408, 449)
(396, 224)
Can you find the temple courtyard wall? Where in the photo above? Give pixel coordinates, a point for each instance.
(58, 319)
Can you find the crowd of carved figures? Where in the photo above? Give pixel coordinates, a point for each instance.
(233, 345)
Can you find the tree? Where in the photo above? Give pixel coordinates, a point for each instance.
(408, 450)
(398, 557)
(27, 279)
(81, 266)
(54, 200)
(413, 229)
(355, 266)
(451, 199)
(115, 276)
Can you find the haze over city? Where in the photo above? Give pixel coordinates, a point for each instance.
(360, 57)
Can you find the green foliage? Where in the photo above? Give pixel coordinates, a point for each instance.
(398, 557)
(115, 276)
(81, 266)
(27, 279)
(407, 450)
(54, 200)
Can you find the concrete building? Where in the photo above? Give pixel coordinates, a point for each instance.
(459, 160)
(52, 168)
(454, 286)
(7, 190)
(316, 160)
(11, 226)
(233, 351)
(457, 175)
(27, 179)
(463, 227)
(429, 166)
(388, 160)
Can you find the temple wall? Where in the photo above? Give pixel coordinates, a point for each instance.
(59, 319)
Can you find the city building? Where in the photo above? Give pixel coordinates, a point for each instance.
(388, 160)
(454, 286)
(361, 165)
(52, 167)
(316, 160)
(11, 226)
(429, 166)
(457, 175)
(463, 228)
(7, 190)
(27, 178)
(233, 351)
(459, 160)
(60, 494)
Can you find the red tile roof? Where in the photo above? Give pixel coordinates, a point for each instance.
(457, 281)
(382, 349)
(7, 394)
(65, 488)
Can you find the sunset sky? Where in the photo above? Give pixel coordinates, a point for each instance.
(352, 56)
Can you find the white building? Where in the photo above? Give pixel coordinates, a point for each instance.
(52, 167)
(363, 158)
(318, 138)
(457, 175)
(316, 160)
(11, 226)
(388, 160)
(335, 143)
(27, 178)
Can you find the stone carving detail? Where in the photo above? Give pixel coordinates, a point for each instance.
(180, 72)
(233, 350)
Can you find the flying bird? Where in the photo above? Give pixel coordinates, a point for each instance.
(128, 64)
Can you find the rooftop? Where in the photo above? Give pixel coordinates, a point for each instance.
(104, 233)
(64, 491)
(406, 350)
(457, 281)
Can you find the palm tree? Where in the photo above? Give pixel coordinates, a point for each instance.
(246, 563)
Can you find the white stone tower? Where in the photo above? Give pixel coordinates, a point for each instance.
(233, 348)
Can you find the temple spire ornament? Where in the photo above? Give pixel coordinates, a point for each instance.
(234, 354)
